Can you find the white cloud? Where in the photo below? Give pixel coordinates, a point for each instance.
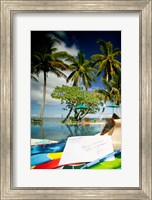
(73, 50)
(52, 82)
(61, 34)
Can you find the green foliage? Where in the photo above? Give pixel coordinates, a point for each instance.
(82, 70)
(108, 64)
(113, 89)
(44, 58)
(74, 96)
(107, 61)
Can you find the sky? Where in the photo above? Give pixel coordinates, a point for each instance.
(72, 42)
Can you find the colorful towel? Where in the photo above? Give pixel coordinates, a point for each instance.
(115, 164)
(53, 164)
(48, 157)
(49, 165)
(48, 148)
(39, 158)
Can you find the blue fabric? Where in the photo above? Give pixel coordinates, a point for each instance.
(39, 159)
(48, 148)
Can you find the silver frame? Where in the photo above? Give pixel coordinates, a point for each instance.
(8, 8)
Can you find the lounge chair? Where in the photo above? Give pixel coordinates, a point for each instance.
(86, 120)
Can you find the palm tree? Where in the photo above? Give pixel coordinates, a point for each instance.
(45, 59)
(113, 89)
(82, 70)
(107, 62)
(103, 95)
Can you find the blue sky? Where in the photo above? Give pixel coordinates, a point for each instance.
(72, 42)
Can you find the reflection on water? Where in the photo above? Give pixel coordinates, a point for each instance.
(53, 130)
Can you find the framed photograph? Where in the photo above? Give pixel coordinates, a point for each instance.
(75, 96)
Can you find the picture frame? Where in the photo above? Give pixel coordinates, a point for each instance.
(8, 8)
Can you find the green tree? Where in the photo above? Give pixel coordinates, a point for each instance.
(82, 71)
(114, 88)
(107, 63)
(46, 59)
(74, 96)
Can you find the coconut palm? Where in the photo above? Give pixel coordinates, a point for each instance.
(107, 63)
(46, 59)
(113, 89)
(82, 70)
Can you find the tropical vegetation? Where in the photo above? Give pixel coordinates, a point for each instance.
(75, 96)
(108, 64)
(82, 70)
(47, 59)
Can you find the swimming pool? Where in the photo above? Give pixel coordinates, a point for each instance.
(53, 130)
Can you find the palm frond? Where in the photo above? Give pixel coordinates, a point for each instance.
(116, 64)
(36, 69)
(58, 73)
(86, 82)
(76, 76)
(90, 77)
(91, 70)
(57, 64)
(49, 57)
(72, 60)
(53, 50)
(102, 66)
(109, 47)
(106, 84)
(103, 93)
(102, 47)
(81, 58)
(116, 53)
(37, 58)
(70, 76)
(98, 57)
(86, 64)
(61, 55)
(33, 78)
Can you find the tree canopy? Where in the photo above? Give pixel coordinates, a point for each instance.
(74, 96)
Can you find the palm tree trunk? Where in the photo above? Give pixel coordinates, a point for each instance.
(103, 109)
(104, 104)
(44, 97)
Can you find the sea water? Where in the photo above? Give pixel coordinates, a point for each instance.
(52, 129)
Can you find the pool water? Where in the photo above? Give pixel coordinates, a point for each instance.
(53, 130)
